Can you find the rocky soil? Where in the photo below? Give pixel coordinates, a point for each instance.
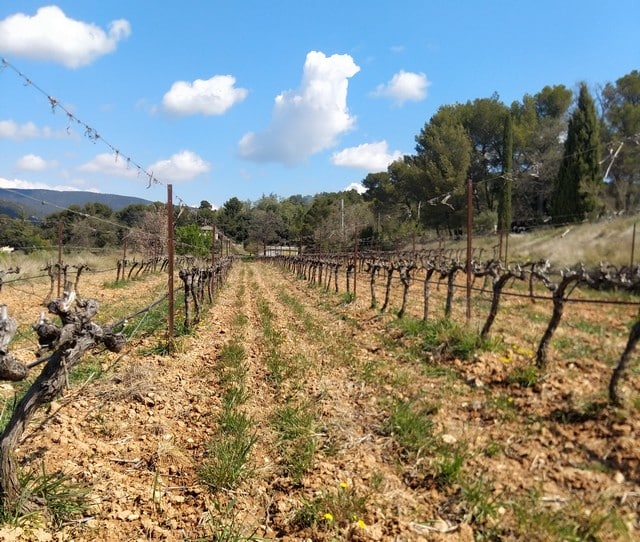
(540, 457)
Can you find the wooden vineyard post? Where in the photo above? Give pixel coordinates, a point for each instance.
(213, 246)
(469, 244)
(633, 246)
(355, 266)
(59, 255)
(170, 316)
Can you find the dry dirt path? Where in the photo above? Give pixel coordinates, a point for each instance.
(320, 380)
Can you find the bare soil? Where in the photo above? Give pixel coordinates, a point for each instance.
(136, 435)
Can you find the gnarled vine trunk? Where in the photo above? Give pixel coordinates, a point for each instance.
(634, 337)
(69, 343)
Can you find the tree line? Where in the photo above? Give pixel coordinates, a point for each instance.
(550, 157)
(557, 156)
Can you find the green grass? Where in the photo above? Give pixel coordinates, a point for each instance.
(231, 361)
(265, 311)
(300, 313)
(448, 463)
(412, 327)
(569, 523)
(493, 448)
(439, 371)
(229, 451)
(295, 426)
(450, 340)
(115, 284)
(240, 320)
(224, 524)
(443, 338)
(409, 423)
(505, 406)
(277, 367)
(524, 376)
(347, 298)
(332, 509)
(234, 395)
(232, 355)
(227, 463)
(589, 327)
(62, 498)
(90, 367)
(482, 506)
(411, 426)
(8, 404)
(370, 370)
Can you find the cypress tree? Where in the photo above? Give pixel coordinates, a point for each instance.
(577, 188)
(504, 203)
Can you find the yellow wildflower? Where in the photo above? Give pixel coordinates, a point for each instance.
(344, 485)
(361, 524)
(328, 516)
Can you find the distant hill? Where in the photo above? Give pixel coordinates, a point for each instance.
(41, 203)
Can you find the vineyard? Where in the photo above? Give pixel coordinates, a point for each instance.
(360, 397)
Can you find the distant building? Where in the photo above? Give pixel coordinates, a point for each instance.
(210, 229)
(281, 251)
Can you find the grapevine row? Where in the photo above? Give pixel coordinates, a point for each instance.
(439, 267)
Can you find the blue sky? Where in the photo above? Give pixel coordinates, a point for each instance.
(229, 98)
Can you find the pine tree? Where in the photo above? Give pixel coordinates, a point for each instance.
(579, 181)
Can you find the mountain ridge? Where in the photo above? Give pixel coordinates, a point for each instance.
(39, 203)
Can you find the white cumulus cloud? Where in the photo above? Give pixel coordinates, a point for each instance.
(109, 164)
(33, 162)
(211, 97)
(405, 87)
(181, 166)
(308, 120)
(372, 157)
(357, 187)
(51, 35)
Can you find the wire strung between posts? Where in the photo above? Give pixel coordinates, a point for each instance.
(90, 132)
(141, 311)
(121, 322)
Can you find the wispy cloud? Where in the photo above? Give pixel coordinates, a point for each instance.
(33, 162)
(28, 130)
(308, 120)
(108, 164)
